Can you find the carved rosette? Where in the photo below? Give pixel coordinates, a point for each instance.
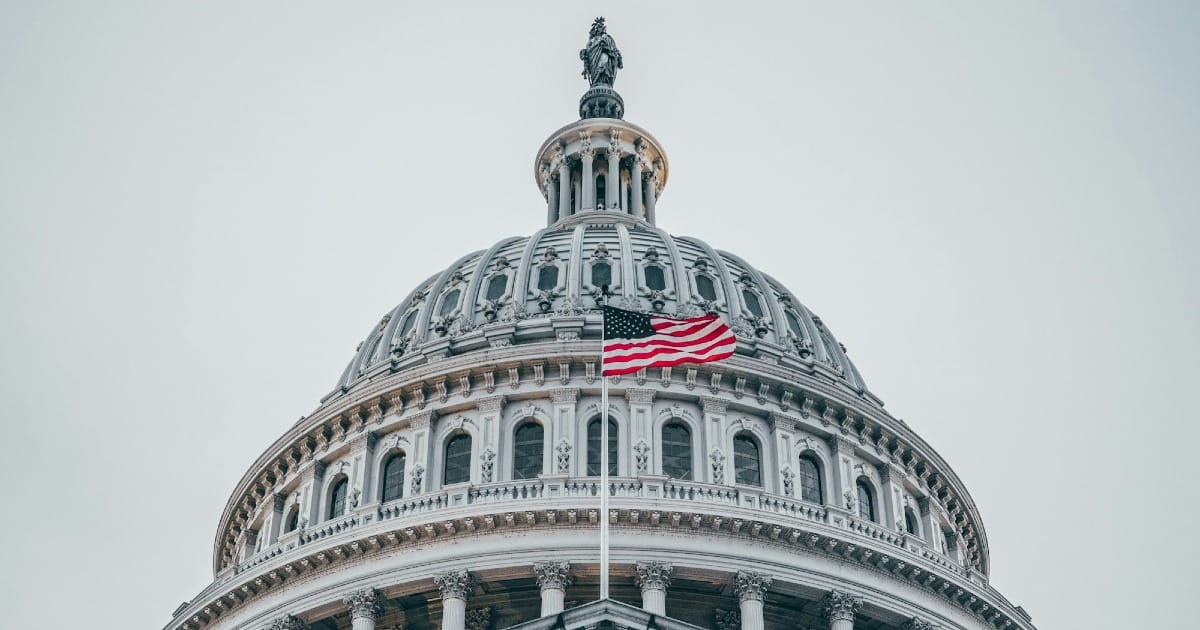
(479, 619)
(751, 586)
(454, 584)
(364, 604)
(841, 606)
(916, 623)
(654, 575)
(287, 622)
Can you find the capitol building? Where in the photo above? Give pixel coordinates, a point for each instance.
(452, 477)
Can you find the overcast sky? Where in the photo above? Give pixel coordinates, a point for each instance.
(205, 207)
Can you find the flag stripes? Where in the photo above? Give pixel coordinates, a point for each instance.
(635, 340)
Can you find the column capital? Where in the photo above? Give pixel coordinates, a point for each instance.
(916, 623)
(364, 604)
(479, 619)
(888, 472)
(491, 404)
(287, 622)
(839, 444)
(654, 575)
(751, 586)
(641, 396)
(554, 574)
(713, 405)
(841, 606)
(564, 395)
(454, 584)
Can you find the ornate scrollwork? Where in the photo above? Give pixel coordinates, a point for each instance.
(454, 584)
(751, 586)
(287, 622)
(418, 473)
(841, 606)
(554, 574)
(479, 619)
(717, 459)
(364, 604)
(487, 464)
(641, 454)
(916, 623)
(564, 456)
(654, 575)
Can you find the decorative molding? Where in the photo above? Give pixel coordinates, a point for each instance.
(490, 404)
(364, 604)
(479, 619)
(564, 395)
(287, 622)
(916, 623)
(638, 396)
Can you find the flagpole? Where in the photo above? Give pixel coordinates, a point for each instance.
(603, 469)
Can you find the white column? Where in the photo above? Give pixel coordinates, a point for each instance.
(364, 607)
(714, 423)
(612, 182)
(641, 438)
(841, 607)
(455, 586)
(564, 189)
(551, 196)
(423, 454)
(841, 449)
(751, 590)
(635, 180)
(587, 179)
(654, 578)
(562, 434)
(553, 578)
(651, 197)
(891, 480)
(489, 424)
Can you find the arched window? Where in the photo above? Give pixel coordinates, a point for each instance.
(593, 454)
(407, 325)
(810, 480)
(527, 451)
(601, 274)
(449, 303)
(547, 277)
(910, 522)
(655, 281)
(677, 450)
(600, 196)
(794, 325)
(393, 477)
(706, 288)
(747, 465)
(293, 520)
(496, 287)
(866, 501)
(752, 302)
(337, 499)
(457, 467)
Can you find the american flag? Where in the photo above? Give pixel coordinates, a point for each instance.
(633, 341)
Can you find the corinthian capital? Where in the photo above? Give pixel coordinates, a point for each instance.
(287, 622)
(454, 584)
(654, 575)
(841, 606)
(751, 586)
(555, 574)
(364, 604)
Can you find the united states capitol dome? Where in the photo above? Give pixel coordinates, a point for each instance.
(452, 478)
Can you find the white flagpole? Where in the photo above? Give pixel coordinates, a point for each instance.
(603, 470)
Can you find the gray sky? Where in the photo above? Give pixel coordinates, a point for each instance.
(205, 207)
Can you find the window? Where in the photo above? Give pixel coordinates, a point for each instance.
(496, 287)
(654, 278)
(527, 451)
(601, 274)
(866, 501)
(547, 277)
(705, 287)
(593, 454)
(600, 193)
(449, 303)
(293, 520)
(407, 325)
(337, 500)
(746, 464)
(752, 303)
(677, 451)
(458, 460)
(794, 325)
(810, 480)
(910, 522)
(393, 477)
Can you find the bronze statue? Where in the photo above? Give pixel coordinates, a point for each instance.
(601, 59)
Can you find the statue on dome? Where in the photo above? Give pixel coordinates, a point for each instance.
(601, 58)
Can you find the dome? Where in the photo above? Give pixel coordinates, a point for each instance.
(453, 476)
(549, 288)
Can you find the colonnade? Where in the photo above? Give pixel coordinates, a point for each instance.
(554, 577)
(566, 195)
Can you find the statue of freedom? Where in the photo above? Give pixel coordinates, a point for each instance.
(601, 59)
